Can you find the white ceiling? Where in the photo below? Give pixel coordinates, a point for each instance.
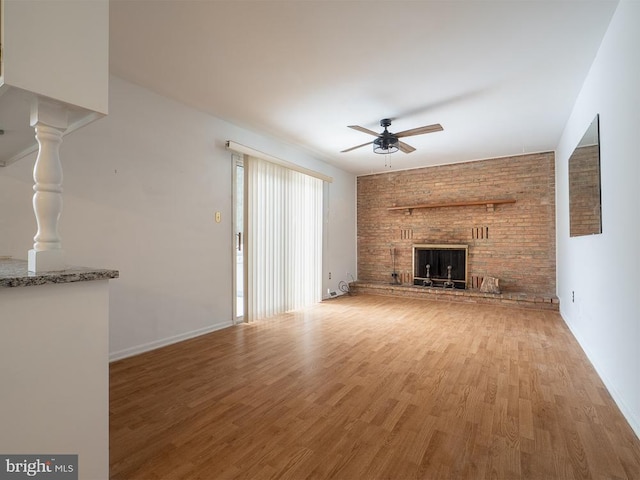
(500, 76)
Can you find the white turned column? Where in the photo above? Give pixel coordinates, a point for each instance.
(50, 121)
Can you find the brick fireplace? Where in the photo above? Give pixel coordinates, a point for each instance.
(502, 210)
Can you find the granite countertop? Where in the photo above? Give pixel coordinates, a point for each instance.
(14, 273)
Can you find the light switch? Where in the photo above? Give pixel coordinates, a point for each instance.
(218, 217)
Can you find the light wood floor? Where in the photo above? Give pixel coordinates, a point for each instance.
(371, 388)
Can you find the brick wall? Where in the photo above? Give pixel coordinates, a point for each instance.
(514, 242)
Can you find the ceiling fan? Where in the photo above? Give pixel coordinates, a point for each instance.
(387, 142)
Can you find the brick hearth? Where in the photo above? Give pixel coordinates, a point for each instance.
(521, 300)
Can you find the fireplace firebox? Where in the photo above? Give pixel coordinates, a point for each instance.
(443, 266)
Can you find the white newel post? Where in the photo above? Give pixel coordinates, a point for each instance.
(50, 121)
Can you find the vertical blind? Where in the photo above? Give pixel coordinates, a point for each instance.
(284, 239)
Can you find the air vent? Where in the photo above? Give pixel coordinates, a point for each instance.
(480, 233)
(406, 233)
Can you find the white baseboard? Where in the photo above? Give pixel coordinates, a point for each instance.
(627, 412)
(146, 347)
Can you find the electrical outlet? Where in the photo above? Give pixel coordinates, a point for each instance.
(573, 296)
(329, 275)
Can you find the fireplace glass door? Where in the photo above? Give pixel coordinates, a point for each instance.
(442, 266)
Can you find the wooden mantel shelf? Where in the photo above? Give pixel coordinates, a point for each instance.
(489, 204)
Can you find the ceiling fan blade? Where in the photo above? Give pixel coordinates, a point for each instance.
(436, 127)
(353, 148)
(405, 148)
(364, 130)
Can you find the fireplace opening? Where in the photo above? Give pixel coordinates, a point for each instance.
(443, 266)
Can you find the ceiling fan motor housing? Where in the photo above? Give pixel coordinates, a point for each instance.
(386, 142)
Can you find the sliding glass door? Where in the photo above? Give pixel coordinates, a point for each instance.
(239, 264)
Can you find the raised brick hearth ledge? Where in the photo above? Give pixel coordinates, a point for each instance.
(514, 299)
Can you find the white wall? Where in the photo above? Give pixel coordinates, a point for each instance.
(54, 374)
(141, 188)
(603, 269)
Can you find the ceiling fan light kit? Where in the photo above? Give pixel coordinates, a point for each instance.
(387, 142)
